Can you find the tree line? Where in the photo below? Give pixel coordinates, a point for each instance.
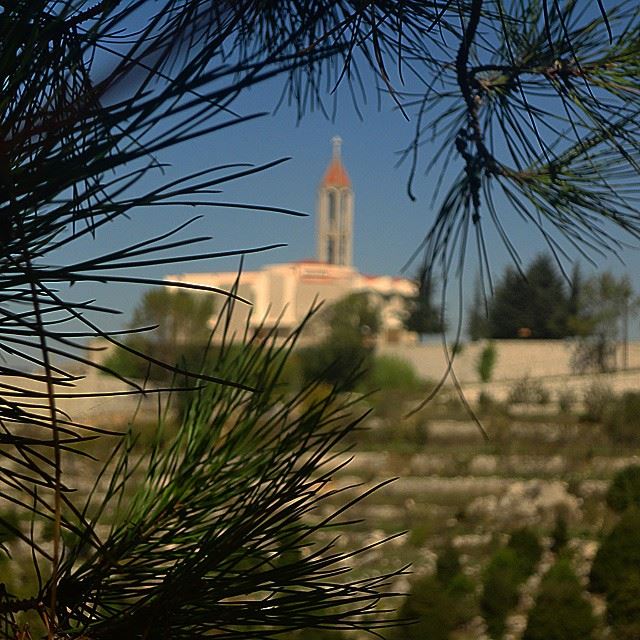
(542, 303)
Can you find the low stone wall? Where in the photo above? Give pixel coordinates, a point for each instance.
(618, 382)
(96, 400)
(515, 359)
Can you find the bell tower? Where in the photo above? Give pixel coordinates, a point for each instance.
(334, 212)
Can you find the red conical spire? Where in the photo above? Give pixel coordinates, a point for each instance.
(336, 175)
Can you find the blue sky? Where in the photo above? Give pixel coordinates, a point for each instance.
(388, 225)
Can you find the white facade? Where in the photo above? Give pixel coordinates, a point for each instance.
(282, 294)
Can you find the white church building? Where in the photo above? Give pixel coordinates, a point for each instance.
(282, 294)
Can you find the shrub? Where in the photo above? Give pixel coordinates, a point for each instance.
(619, 551)
(436, 608)
(487, 405)
(616, 567)
(486, 402)
(428, 609)
(528, 550)
(448, 565)
(333, 363)
(597, 398)
(622, 419)
(624, 490)
(566, 400)
(500, 594)
(560, 612)
(391, 372)
(528, 391)
(9, 522)
(623, 607)
(507, 569)
(487, 362)
(560, 534)
(346, 349)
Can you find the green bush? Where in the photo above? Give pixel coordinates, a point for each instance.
(9, 522)
(560, 533)
(616, 567)
(507, 569)
(334, 363)
(391, 372)
(349, 327)
(428, 610)
(566, 400)
(528, 550)
(500, 594)
(528, 391)
(623, 607)
(624, 490)
(597, 399)
(622, 419)
(487, 362)
(448, 565)
(436, 609)
(560, 612)
(619, 551)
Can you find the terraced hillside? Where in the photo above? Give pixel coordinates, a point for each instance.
(456, 487)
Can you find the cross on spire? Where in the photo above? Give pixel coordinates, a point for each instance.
(336, 141)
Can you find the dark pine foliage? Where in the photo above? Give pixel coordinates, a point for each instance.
(535, 304)
(536, 103)
(561, 611)
(624, 490)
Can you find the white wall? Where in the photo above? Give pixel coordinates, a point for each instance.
(515, 358)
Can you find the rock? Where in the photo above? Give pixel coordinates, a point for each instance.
(527, 502)
(483, 465)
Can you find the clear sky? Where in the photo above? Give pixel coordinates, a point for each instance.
(388, 225)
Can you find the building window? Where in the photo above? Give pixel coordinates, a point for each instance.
(331, 251)
(333, 208)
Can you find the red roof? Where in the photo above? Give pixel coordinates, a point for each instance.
(336, 175)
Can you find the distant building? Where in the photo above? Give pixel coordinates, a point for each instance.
(281, 294)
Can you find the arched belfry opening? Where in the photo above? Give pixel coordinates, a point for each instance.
(334, 215)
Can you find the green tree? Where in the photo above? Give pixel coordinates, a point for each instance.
(528, 549)
(621, 419)
(577, 321)
(624, 490)
(423, 316)
(448, 565)
(623, 607)
(180, 539)
(616, 573)
(561, 611)
(438, 604)
(180, 333)
(606, 302)
(560, 533)
(478, 322)
(618, 554)
(352, 319)
(506, 570)
(534, 304)
(348, 328)
(501, 579)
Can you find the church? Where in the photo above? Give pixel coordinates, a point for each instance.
(282, 294)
